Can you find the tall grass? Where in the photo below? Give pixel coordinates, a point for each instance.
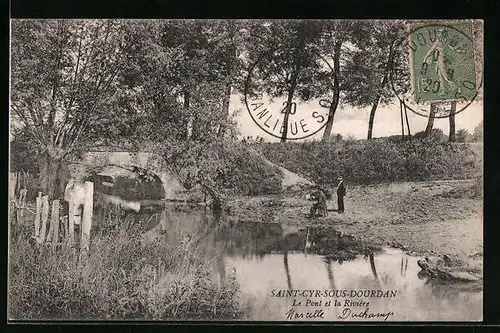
(121, 278)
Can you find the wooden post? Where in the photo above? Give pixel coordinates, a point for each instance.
(88, 208)
(53, 234)
(12, 185)
(23, 203)
(71, 222)
(21, 206)
(45, 217)
(37, 215)
(18, 183)
(63, 221)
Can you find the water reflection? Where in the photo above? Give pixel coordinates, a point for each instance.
(270, 257)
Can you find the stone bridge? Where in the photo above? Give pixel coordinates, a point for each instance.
(146, 160)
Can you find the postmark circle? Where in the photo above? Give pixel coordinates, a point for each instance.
(305, 119)
(442, 68)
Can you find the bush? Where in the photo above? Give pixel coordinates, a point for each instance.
(122, 278)
(375, 161)
(23, 150)
(249, 174)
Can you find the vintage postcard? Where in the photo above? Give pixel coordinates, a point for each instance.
(246, 170)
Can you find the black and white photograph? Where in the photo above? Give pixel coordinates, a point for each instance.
(245, 170)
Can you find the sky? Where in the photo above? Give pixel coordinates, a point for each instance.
(349, 121)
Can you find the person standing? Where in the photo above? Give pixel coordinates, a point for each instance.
(340, 195)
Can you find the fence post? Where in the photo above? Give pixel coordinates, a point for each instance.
(88, 208)
(55, 221)
(21, 206)
(55, 218)
(12, 186)
(71, 221)
(45, 216)
(18, 183)
(63, 220)
(37, 214)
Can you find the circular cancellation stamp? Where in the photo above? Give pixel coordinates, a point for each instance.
(304, 112)
(438, 65)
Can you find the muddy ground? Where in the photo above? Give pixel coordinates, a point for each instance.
(430, 218)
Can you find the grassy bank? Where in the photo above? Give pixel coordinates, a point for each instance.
(377, 161)
(122, 278)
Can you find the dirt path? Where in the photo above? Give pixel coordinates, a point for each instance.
(290, 179)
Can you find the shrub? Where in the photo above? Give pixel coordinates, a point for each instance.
(248, 173)
(122, 278)
(378, 160)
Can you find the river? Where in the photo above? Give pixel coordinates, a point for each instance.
(288, 273)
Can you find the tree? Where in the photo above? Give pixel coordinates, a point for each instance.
(226, 41)
(286, 62)
(477, 136)
(436, 134)
(64, 88)
(369, 68)
(23, 151)
(463, 136)
(338, 38)
(430, 121)
(180, 78)
(453, 108)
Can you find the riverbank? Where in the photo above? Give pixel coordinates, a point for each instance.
(428, 218)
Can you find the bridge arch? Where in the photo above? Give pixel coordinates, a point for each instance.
(146, 160)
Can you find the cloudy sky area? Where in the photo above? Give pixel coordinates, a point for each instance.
(354, 121)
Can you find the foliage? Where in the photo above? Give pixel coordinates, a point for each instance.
(186, 120)
(248, 174)
(282, 50)
(436, 134)
(64, 80)
(122, 278)
(463, 136)
(477, 136)
(229, 167)
(367, 68)
(64, 88)
(376, 161)
(23, 151)
(284, 62)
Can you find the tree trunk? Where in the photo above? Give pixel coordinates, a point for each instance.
(216, 197)
(407, 122)
(293, 86)
(189, 127)
(453, 108)
(379, 93)
(287, 269)
(372, 266)
(336, 91)
(330, 273)
(230, 73)
(430, 123)
(221, 266)
(225, 108)
(53, 176)
(372, 117)
(288, 107)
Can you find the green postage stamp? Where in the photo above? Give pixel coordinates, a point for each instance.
(442, 62)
